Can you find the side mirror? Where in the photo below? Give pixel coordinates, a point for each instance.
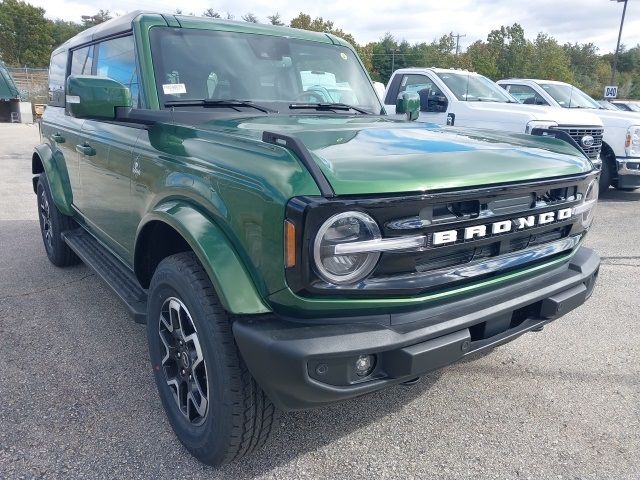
(409, 104)
(96, 97)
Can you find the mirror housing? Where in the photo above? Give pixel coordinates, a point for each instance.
(409, 104)
(96, 97)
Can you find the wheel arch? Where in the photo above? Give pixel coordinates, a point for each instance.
(43, 160)
(182, 227)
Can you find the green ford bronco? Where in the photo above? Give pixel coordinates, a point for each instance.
(287, 244)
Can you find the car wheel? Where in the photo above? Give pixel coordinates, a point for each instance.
(622, 189)
(213, 404)
(605, 176)
(52, 223)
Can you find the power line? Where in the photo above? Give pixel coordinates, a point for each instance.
(457, 35)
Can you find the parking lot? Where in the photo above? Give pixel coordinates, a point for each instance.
(77, 398)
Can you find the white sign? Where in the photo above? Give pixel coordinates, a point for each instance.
(610, 91)
(174, 88)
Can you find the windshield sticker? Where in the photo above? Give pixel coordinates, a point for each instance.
(343, 55)
(174, 88)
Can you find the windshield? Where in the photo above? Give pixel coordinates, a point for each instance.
(474, 88)
(274, 71)
(633, 107)
(608, 105)
(569, 96)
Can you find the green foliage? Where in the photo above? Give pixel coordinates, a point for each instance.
(25, 35)
(275, 19)
(27, 38)
(250, 17)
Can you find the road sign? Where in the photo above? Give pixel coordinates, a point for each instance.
(610, 91)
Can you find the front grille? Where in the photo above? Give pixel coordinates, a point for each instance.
(460, 258)
(578, 133)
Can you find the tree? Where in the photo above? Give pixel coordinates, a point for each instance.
(25, 35)
(549, 60)
(275, 19)
(61, 31)
(210, 12)
(100, 17)
(250, 17)
(304, 22)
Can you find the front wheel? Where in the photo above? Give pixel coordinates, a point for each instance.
(214, 405)
(52, 223)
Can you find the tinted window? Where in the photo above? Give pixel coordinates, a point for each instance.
(525, 94)
(57, 74)
(117, 60)
(431, 97)
(82, 61)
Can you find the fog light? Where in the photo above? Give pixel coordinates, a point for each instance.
(365, 365)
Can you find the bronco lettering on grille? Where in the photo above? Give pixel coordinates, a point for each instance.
(504, 226)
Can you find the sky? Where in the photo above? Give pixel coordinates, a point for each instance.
(572, 21)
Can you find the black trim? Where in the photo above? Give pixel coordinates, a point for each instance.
(560, 135)
(303, 364)
(296, 146)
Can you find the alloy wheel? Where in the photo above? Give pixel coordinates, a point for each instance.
(183, 364)
(45, 215)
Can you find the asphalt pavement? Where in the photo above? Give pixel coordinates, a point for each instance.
(77, 398)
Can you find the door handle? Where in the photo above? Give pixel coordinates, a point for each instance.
(86, 149)
(58, 138)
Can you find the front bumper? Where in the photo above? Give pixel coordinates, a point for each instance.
(303, 364)
(628, 172)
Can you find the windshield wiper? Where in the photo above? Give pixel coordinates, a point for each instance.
(327, 106)
(229, 102)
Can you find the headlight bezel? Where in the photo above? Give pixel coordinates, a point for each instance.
(632, 141)
(545, 124)
(364, 268)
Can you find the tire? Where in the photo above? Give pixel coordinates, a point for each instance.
(605, 176)
(236, 417)
(626, 189)
(52, 223)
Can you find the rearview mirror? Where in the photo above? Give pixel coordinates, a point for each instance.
(409, 104)
(96, 97)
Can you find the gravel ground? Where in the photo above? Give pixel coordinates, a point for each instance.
(77, 397)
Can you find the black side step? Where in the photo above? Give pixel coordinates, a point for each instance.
(121, 280)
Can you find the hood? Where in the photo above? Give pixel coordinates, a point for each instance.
(537, 112)
(618, 119)
(376, 154)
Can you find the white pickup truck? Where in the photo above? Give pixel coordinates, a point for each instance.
(467, 99)
(621, 142)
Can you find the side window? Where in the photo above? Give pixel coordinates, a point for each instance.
(57, 75)
(82, 61)
(116, 59)
(526, 95)
(431, 97)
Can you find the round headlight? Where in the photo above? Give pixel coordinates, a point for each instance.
(342, 228)
(590, 201)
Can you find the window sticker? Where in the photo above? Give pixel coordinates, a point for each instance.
(174, 88)
(73, 99)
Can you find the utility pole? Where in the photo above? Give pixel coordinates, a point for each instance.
(457, 35)
(393, 60)
(615, 57)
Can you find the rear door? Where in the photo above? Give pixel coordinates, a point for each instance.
(106, 157)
